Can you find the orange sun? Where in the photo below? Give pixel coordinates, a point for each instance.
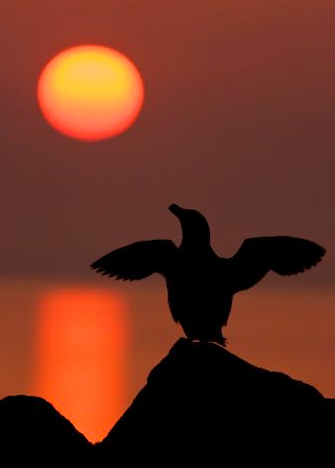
(90, 92)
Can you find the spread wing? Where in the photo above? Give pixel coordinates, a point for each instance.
(282, 254)
(138, 260)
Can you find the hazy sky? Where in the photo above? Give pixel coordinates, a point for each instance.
(238, 122)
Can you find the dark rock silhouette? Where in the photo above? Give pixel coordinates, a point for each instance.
(34, 433)
(201, 404)
(204, 403)
(200, 284)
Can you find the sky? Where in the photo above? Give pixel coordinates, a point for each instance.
(237, 122)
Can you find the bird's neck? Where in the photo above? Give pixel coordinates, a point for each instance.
(192, 244)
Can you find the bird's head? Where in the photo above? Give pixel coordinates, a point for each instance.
(194, 226)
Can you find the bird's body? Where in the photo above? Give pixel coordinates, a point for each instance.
(198, 283)
(201, 284)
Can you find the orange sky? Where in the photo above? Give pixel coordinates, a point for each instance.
(238, 123)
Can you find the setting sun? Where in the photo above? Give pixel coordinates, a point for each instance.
(90, 92)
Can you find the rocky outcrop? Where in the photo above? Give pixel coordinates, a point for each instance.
(34, 433)
(201, 405)
(204, 403)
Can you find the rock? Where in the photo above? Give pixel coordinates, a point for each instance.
(34, 433)
(204, 403)
(201, 405)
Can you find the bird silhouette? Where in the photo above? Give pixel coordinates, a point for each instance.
(200, 284)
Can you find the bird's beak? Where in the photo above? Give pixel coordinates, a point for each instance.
(176, 210)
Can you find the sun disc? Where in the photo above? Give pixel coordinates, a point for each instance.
(90, 92)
